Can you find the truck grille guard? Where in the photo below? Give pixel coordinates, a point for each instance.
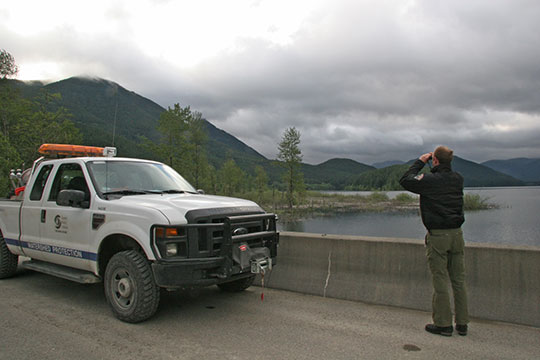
(234, 239)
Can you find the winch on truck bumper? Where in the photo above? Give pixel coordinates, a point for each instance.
(219, 250)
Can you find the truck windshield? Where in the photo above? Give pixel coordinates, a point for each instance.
(133, 177)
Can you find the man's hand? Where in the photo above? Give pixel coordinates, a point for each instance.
(426, 157)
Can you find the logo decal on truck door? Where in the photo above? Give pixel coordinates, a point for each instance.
(60, 224)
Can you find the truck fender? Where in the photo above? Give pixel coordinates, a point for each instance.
(113, 244)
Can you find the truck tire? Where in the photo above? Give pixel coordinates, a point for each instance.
(8, 261)
(130, 287)
(237, 285)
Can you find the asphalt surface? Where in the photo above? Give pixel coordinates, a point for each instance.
(42, 317)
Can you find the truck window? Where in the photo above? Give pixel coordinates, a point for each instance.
(39, 184)
(138, 176)
(69, 176)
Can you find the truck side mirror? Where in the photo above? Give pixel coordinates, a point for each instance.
(200, 191)
(73, 198)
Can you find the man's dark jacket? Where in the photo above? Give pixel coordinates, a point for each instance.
(441, 195)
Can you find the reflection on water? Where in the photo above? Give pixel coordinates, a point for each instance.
(516, 221)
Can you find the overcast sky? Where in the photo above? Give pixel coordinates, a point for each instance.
(367, 80)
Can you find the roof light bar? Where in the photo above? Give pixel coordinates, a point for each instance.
(65, 150)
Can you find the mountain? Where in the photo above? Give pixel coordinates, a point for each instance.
(383, 164)
(524, 169)
(475, 175)
(221, 145)
(479, 175)
(385, 179)
(335, 172)
(104, 110)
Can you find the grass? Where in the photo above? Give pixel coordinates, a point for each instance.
(473, 202)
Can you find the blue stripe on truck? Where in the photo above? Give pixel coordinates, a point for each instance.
(12, 242)
(58, 250)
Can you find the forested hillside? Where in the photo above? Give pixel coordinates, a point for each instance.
(475, 175)
(479, 175)
(524, 169)
(333, 174)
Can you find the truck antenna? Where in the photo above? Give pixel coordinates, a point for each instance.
(114, 123)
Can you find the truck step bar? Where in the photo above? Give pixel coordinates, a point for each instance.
(64, 272)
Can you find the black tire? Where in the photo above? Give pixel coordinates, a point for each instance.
(130, 288)
(8, 261)
(237, 285)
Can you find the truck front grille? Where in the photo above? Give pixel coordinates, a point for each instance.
(210, 234)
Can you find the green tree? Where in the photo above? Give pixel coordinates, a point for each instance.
(231, 177)
(210, 183)
(183, 146)
(195, 145)
(26, 124)
(46, 122)
(173, 124)
(8, 67)
(14, 108)
(291, 156)
(9, 160)
(261, 182)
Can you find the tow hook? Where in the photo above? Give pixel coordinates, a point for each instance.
(259, 266)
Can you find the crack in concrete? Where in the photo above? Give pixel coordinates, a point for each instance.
(328, 275)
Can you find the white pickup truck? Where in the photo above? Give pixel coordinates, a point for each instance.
(134, 224)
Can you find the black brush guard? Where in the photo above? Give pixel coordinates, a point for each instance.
(222, 249)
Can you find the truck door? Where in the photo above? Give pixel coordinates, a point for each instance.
(32, 216)
(67, 229)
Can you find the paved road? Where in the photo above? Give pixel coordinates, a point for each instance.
(42, 317)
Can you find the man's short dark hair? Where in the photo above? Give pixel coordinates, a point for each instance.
(444, 154)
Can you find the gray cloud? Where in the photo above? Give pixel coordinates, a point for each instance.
(367, 85)
(364, 81)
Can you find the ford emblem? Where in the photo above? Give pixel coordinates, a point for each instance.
(240, 231)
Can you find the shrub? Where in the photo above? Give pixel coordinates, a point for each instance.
(476, 202)
(405, 198)
(377, 196)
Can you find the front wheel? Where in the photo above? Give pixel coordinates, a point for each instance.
(8, 261)
(130, 287)
(237, 285)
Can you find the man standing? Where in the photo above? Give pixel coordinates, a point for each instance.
(441, 208)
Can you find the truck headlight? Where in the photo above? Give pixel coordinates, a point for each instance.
(171, 242)
(171, 249)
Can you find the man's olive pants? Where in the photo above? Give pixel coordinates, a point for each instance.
(445, 257)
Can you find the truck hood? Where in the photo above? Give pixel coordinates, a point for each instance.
(175, 206)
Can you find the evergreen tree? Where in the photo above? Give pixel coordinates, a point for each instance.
(196, 150)
(291, 157)
(9, 160)
(25, 124)
(231, 177)
(183, 146)
(8, 67)
(46, 122)
(173, 124)
(210, 183)
(261, 182)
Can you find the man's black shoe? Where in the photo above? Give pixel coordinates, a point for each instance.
(461, 329)
(439, 330)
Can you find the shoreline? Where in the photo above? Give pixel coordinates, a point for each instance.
(322, 205)
(328, 205)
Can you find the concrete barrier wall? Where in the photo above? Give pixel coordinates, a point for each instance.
(503, 282)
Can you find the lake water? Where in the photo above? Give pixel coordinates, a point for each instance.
(515, 222)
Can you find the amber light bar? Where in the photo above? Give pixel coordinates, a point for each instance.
(65, 150)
